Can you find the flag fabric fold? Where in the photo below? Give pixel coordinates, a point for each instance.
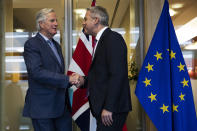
(80, 63)
(164, 88)
(93, 3)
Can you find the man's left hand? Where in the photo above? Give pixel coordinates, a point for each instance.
(106, 117)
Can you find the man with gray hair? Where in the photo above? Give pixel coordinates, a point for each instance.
(47, 102)
(107, 80)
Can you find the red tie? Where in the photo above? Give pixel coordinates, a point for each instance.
(93, 45)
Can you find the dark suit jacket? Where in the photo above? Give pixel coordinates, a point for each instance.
(108, 75)
(47, 81)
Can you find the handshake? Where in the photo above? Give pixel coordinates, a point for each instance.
(76, 79)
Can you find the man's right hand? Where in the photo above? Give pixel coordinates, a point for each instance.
(76, 79)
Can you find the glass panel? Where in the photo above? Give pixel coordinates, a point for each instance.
(19, 27)
(184, 18)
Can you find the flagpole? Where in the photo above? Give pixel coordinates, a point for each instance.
(142, 117)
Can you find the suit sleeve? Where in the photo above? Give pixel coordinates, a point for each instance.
(117, 68)
(85, 85)
(37, 72)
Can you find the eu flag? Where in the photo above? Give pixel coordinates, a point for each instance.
(164, 87)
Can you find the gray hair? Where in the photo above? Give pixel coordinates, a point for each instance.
(101, 13)
(41, 16)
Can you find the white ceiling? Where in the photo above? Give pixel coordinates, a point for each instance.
(185, 21)
(184, 14)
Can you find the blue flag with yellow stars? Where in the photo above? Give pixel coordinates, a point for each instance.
(164, 88)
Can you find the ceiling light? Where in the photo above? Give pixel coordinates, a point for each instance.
(19, 30)
(172, 12)
(177, 6)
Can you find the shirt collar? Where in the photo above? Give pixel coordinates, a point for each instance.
(44, 36)
(98, 36)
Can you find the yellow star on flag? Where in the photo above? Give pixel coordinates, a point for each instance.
(181, 67)
(149, 67)
(152, 97)
(158, 55)
(175, 108)
(172, 55)
(185, 83)
(147, 82)
(164, 108)
(182, 97)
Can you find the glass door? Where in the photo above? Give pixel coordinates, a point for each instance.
(19, 24)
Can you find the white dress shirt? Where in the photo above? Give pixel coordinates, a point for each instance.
(98, 36)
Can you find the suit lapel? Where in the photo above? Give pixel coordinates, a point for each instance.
(48, 49)
(100, 42)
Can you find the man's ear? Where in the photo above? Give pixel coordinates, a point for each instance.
(97, 20)
(41, 23)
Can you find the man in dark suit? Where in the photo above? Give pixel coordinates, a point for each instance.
(46, 101)
(107, 80)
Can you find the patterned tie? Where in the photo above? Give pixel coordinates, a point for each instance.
(51, 44)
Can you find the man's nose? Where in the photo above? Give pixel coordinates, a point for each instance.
(83, 23)
(55, 23)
